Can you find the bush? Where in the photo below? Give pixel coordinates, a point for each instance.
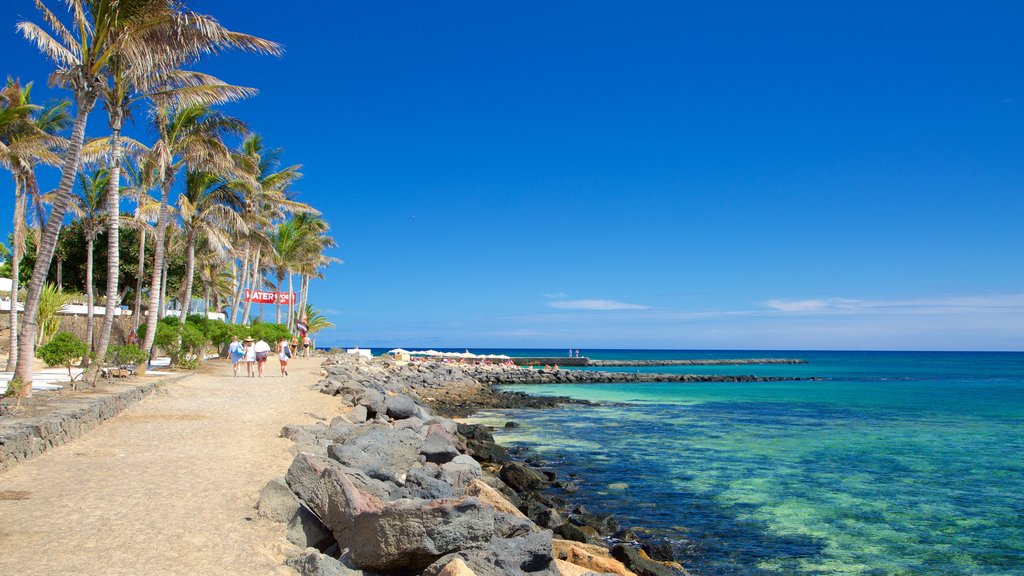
(127, 355)
(62, 350)
(270, 332)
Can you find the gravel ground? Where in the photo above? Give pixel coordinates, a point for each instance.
(166, 487)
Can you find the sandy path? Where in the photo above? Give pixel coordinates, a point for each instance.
(166, 487)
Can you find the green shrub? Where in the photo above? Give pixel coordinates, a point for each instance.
(62, 350)
(127, 355)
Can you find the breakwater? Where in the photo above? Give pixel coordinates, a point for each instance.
(516, 375)
(396, 487)
(698, 362)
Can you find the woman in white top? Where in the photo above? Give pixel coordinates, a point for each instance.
(284, 353)
(250, 356)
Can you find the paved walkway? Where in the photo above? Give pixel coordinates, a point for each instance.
(166, 487)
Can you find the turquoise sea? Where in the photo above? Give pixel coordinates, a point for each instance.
(896, 464)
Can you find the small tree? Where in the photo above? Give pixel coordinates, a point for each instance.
(63, 350)
(127, 355)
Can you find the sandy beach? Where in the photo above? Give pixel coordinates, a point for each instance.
(166, 487)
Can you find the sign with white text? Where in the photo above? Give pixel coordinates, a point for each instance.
(264, 297)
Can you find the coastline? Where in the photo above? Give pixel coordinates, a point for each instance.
(396, 459)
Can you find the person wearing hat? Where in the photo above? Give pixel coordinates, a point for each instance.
(250, 356)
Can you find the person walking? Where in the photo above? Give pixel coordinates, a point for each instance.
(284, 353)
(262, 350)
(250, 356)
(307, 343)
(235, 352)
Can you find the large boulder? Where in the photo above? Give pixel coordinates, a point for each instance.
(438, 446)
(381, 452)
(314, 563)
(400, 406)
(330, 491)
(521, 478)
(530, 554)
(639, 562)
(409, 535)
(595, 558)
(307, 531)
(373, 401)
(456, 567)
(277, 502)
(461, 471)
(425, 482)
(491, 496)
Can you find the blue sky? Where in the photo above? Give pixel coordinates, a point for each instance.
(655, 174)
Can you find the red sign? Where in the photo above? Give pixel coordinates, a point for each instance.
(262, 297)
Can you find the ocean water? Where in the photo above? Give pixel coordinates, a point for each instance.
(896, 464)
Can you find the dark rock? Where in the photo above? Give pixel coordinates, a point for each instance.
(400, 406)
(461, 471)
(409, 535)
(631, 559)
(549, 474)
(314, 563)
(572, 532)
(625, 535)
(423, 482)
(439, 445)
(307, 531)
(512, 425)
(373, 400)
(381, 452)
(412, 423)
(521, 477)
(526, 555)
(358, 414)
(570, 487)
(549, 518)
(277, 502)
(659, 549)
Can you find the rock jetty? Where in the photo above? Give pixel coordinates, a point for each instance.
(396, 488)
(706, 362)
(514, 375)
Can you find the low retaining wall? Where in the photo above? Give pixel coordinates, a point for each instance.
(22, 438)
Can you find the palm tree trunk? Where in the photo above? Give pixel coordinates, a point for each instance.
(291, 302)
(60, 271)
(255, 275)
(113, 233)
(48, 243)
(163, 289)
(190, 266)
(156, 280)
(280, 284)
(138, 284)
(236, 302)
(89, 295)
(16, 250)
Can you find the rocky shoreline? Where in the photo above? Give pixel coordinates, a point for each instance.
(516, 375)
(396, 487)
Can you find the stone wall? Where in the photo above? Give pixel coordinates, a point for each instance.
(64, 419)
(76, 325)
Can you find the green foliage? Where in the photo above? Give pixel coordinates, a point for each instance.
(316, 321)
(51, 301)
(127, 355)
(269, 332)
(62, 350)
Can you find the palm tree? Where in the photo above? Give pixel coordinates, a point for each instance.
(209, 210)
(90, 208)
(312, 256)
(27, 137)
(264, 185)
(146, 37)
(189, 136)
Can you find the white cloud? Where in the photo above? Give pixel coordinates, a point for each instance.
(982, 303)
(595, 304)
